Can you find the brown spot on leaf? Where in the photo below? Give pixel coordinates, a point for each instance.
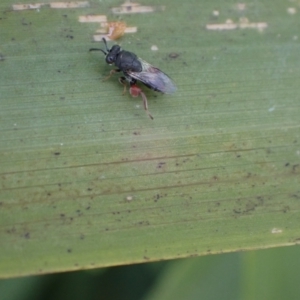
(173, 55)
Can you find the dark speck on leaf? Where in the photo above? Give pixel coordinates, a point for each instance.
(161, 164)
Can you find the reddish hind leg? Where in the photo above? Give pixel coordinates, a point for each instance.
(135, 91)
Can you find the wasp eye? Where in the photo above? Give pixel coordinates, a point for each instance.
(109, 59)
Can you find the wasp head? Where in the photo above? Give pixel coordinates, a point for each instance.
(111, 54)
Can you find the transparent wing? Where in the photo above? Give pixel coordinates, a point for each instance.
(154, 78)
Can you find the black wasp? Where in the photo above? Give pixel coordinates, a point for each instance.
(135, 69)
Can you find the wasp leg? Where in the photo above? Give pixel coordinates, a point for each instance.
(135, 91)
(122, 80)
(146, 104)
(112, 72)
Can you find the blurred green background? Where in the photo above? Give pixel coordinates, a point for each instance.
(263, 274)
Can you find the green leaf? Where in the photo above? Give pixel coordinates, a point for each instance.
(88, 180)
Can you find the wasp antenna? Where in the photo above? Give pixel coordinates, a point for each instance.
(105, 43)
(98, 49)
